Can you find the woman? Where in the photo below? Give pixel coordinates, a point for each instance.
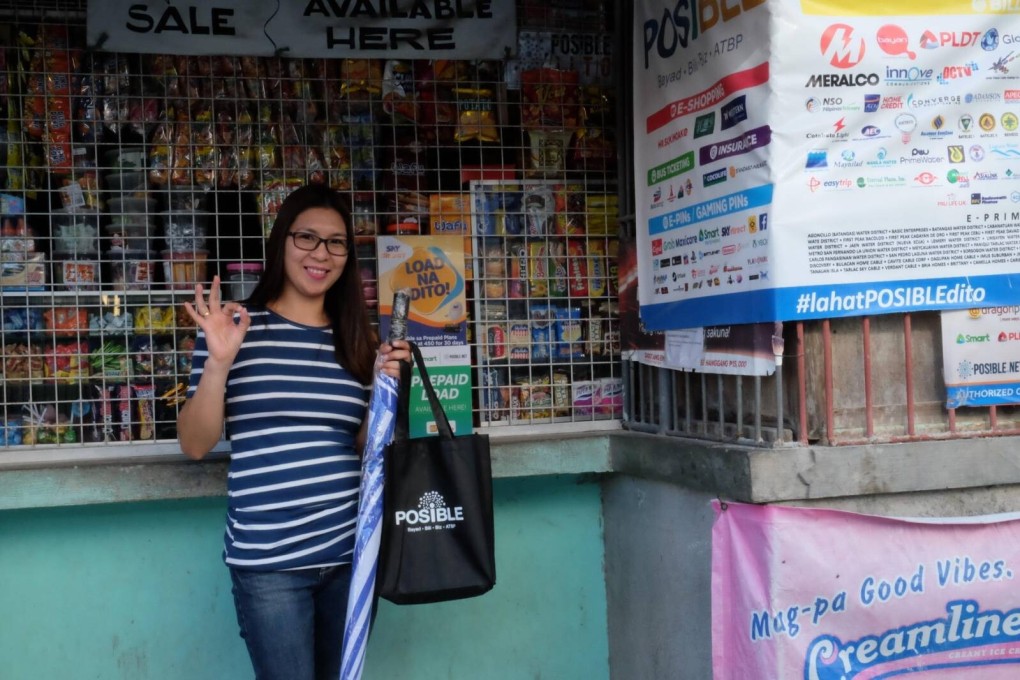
(288, 374)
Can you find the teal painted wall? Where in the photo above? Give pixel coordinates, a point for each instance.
(138, 592)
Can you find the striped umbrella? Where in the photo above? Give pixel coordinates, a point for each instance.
(382, 409)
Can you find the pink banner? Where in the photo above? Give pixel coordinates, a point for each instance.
(816, 594)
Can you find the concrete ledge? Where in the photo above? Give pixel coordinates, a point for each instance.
(172, 476)
(111, 483)
(690, 463)
(756, 475)
(741, 473)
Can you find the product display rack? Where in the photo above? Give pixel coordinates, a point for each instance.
(130, 177)
(545, 317)
(93, 367)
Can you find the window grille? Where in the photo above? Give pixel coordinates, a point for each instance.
(129, 177)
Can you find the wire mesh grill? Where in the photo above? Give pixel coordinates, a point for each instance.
(129, 178)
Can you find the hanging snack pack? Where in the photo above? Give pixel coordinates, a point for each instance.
(476, 115)
(551, 99)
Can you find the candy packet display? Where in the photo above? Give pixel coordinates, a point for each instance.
(543, 332)
(399, 96)
(547, 152)
(110, 360)
(594, 147)
(361, 77)
(337, 158)
(569, 334)
(67, 362)
(551, 99)
(22, 320)
(498, 213)
(66, 320)
(23, 361)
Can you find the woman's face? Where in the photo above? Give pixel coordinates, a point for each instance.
(310, 273)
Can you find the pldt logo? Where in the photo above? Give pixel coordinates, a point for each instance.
(432, 514)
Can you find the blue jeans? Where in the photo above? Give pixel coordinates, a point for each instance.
(293, 621)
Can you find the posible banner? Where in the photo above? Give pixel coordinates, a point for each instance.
(823, 594)
(811, 159)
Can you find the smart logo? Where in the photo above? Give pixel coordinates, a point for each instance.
(963, 339)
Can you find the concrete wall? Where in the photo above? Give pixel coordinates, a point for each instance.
(138, 591)
(658, 521)
(658, 580)
(658, 566)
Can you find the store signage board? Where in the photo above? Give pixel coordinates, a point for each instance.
(590, 54)
(980, 365)
(450, 371)
(385, 29)
(431, 270)
(853, 165)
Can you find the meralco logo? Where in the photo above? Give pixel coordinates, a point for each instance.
(431, 512)
(841, 47)
(842, 80)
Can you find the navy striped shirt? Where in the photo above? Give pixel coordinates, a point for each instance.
(292, 415)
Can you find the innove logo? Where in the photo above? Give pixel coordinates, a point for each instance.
(431, 511)
(840, 47)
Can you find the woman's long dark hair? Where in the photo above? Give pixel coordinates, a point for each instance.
(354, 341)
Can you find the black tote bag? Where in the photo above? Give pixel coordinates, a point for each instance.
(438, 541)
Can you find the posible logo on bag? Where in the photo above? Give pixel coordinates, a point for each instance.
(432, 514)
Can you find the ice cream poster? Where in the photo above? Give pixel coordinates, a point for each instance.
(431, 269)
(823, 594)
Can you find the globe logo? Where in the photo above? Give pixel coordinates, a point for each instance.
(990, 40)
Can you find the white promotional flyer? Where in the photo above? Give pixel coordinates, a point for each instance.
(981, 356)
(859, 164)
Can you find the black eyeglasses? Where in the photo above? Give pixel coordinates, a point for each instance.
(308, 241)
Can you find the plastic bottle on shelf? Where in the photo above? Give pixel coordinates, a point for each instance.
(242, 278)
